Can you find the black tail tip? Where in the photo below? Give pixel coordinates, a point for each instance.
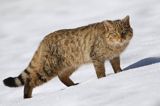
(10, 82)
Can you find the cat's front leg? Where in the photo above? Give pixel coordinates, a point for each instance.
(100, 68)
(115, 62)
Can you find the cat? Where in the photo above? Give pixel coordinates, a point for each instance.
(60, 53)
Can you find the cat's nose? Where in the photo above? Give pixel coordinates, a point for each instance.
(123, 36)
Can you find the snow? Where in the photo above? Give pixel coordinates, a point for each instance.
(24, 23)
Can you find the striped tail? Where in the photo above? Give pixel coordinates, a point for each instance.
(16, 81)
(20, 80)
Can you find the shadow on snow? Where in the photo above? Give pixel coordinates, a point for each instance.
(143, 62)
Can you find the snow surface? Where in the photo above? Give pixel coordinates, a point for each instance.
(24, 23)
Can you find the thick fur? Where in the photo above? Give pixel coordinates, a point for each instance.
(60, 53)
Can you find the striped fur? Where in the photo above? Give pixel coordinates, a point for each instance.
(60, 53)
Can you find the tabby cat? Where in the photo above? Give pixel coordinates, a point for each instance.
(60, 53)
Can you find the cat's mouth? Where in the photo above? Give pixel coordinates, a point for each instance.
(121, 41)
(118, 43)
(125, 39)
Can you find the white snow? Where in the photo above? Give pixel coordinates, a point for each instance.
(24, 23)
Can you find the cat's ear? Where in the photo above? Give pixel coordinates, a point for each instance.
(108, 25)
(126, 20)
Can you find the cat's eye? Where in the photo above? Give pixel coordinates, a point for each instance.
(123, 33)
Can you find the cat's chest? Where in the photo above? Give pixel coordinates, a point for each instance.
(110, 52)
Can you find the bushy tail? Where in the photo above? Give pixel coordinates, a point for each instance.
(12, 82)
(15, 81)
(20, 80)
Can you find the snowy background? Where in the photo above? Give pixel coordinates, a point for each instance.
(24, 23)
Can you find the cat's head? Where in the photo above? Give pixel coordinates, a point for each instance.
(118, 31)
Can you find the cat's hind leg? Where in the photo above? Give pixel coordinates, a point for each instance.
(28, 89)
(64, 76)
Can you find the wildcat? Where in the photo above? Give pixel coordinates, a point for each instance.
(60, 53)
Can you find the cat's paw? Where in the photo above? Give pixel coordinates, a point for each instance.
(76, 84)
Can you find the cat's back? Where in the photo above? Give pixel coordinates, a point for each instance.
(69, 36)
(78, 32)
